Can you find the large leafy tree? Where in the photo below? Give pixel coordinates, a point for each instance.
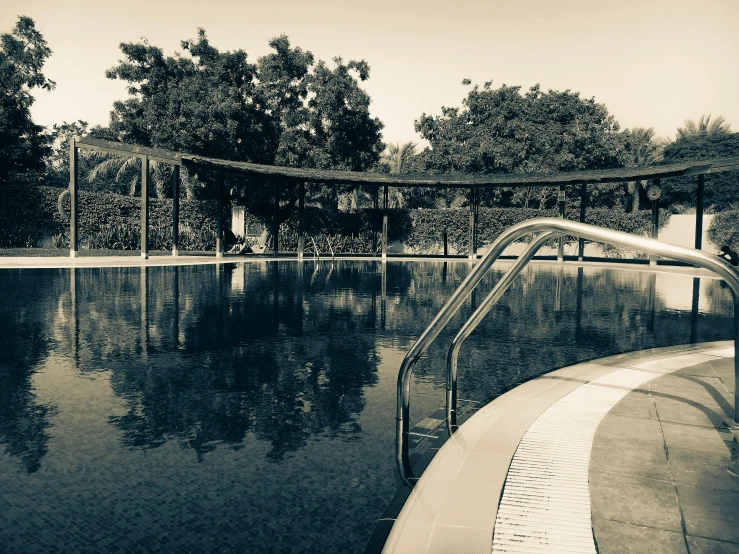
(503, 131)
(721, 189)
(24, 145)
(282, 110)
(202, 103)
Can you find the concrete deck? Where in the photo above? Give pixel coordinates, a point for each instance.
(624, 454)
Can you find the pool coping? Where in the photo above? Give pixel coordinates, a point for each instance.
(457, 499)
(167, 260)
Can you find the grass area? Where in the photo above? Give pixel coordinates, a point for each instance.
(86, 253)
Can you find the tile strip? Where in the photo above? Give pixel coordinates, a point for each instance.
(545, 506)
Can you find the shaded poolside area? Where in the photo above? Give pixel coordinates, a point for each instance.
(624, 454)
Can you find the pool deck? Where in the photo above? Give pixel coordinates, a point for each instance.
(629, 453)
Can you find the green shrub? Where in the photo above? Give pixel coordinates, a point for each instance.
(428, 225)
(724, 229)
(105, 220)
(113, 221)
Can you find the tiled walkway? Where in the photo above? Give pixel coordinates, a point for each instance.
(658, 474)
(663, 468)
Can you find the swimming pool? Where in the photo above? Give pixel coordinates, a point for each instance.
(250, 407)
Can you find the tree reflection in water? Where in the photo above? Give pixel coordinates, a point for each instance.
(280, 378)
(25, 339)
(285, 358)
(205, 356)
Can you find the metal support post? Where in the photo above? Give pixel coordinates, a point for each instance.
(655, 225)
(561, 241)
(301, 221)
(699, 213)
(144, 247)
(583, 205)
(275, 221)
(74, 242)
(471, 251)
(384, 222)
(219, 220)
(175, 210)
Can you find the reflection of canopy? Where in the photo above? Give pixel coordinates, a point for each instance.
(303, 175)
(447, 181)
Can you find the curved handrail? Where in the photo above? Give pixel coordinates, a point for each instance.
(552, 227)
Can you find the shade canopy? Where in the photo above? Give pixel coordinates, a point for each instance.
(619, 175)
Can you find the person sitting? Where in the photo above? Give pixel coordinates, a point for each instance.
(728, 254)
(241, 248)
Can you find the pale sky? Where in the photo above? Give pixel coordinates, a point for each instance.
(653, 63)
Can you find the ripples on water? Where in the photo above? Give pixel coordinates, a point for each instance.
(250, 407)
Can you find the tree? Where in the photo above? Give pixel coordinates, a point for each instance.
(57, 163)
(282, 110)
(24, 145)
(400, 159)
(642, 149)
(721, 189)
(504, 131)
(704, 126)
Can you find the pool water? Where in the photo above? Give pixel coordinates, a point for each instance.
(251, 407)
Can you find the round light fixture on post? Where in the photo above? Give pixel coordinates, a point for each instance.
(654, 192)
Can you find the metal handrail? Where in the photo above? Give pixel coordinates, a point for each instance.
(551, 228)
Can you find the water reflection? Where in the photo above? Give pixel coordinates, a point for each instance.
(278, 362)
(25, 341)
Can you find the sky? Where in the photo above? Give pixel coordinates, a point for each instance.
(653, 63)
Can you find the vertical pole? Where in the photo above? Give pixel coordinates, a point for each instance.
(301, 220)
(474, 229)
(375, 218)
(275, 220)
(655, 220)
(384, 222)
(471, 233)
(175, 210)
(73, 199)
(699, 214)
(561, 246)
(583, 202)
(446, 240)
(145, 207)
(219, 219)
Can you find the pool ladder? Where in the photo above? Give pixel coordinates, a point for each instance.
(549, 228)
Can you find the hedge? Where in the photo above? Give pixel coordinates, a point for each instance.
(113, 221)
(422, 230)
(724, 229)
(29, 213)
(428, 225)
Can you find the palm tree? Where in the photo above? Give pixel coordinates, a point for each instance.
(121, 165)
(644, 149)
(704, 126)
(400, 160)
(130, 168)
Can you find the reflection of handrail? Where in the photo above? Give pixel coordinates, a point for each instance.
(551, 228)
